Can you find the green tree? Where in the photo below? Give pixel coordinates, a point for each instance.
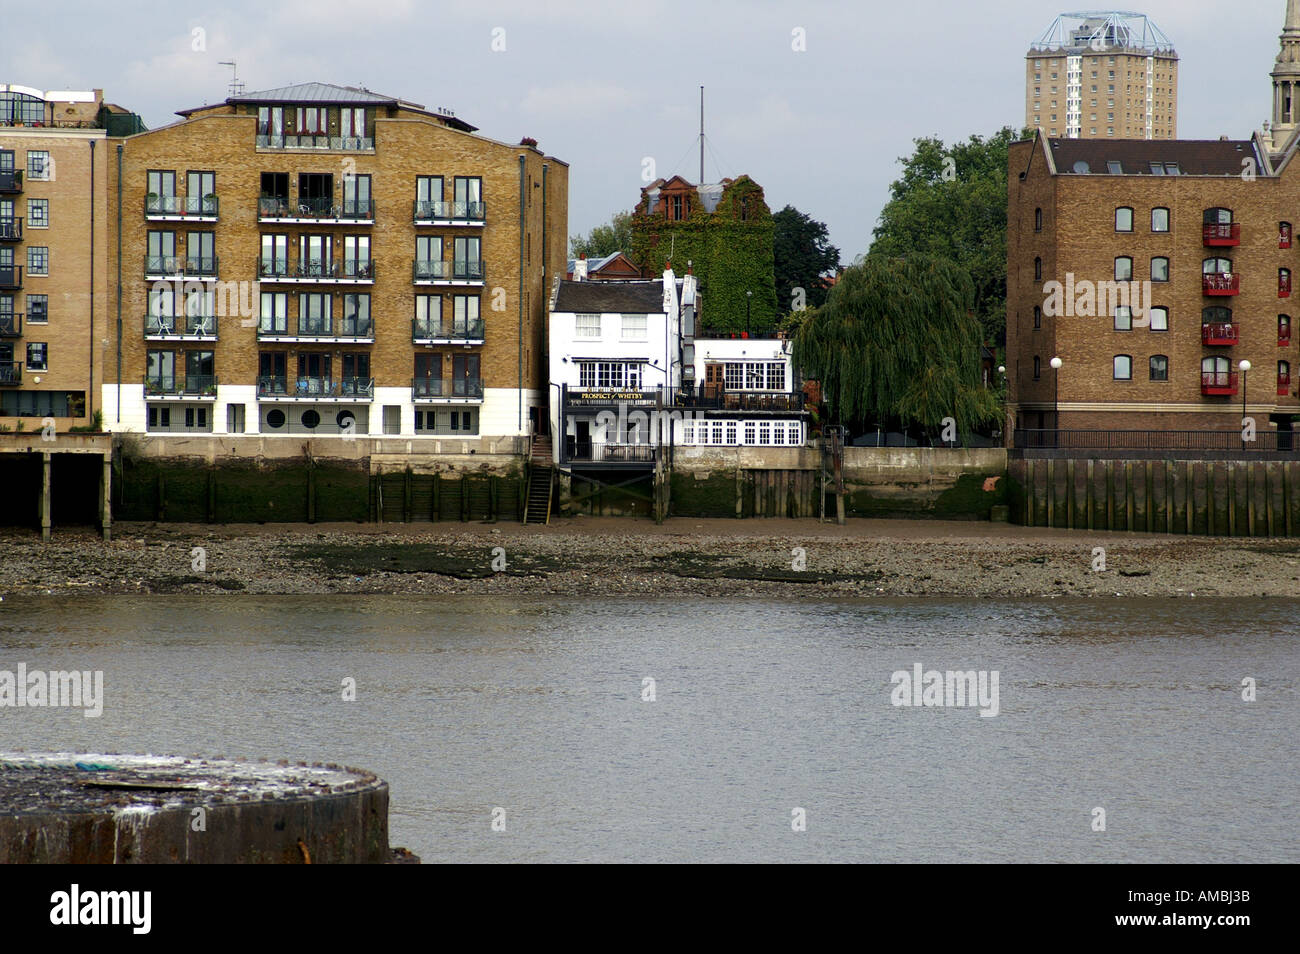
(802, 256)
(897, 343)
(604, 240)
(952, 202)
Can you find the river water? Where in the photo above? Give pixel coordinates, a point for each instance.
(539, 707)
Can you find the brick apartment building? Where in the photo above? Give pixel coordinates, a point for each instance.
(1209, 225)
(321, 260)
(54, 224)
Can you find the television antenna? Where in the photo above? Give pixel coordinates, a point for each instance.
(236, 87)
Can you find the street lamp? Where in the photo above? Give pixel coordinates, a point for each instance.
(1056, 400)
(749, 296)
(1245, 367)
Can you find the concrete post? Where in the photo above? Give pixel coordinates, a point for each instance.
(106, 498)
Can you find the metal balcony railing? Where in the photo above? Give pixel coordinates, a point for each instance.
(173, 385)
(1218, 333)
(310, 386)
(432, 329)
(430, 388)
(1220, 234)
(1221, 283)
(308, 141)
(458, 270)
(11, 276)
(281, 207)
(184, 326)
(11, 373)
(11, 324)
(180, 265)
(11, 180)
(11, 228)
(1218, 383)
(196, 205)
(436, 210)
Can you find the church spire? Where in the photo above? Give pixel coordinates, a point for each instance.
(1286, 80)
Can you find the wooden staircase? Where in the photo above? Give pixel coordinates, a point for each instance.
(541, 481)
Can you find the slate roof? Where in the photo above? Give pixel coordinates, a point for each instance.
(633, 298)
(1191, 157)
(308, 93)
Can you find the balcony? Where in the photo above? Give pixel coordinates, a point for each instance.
(1283, 385)
(1219, 334)
(599, 452)
(344, 390)
(1218, 383)
(459, 272)
(180, 327)
(11, 277)
(172, 387)
(314, 330)
(317, 143)
(432, 331)
(315, 211)
(447, 390)
(11, 324)
(177, 208)
(1221, 234)
(1219, 284)
(11, 229)
(437, 212)
(11, 374)
(11, 180)
(317, 271)
(1284, 284)
(166, 267)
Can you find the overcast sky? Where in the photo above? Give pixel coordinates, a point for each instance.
(603, 86)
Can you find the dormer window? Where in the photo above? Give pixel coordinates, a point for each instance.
(675, 208)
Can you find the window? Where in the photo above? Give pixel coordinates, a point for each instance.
(1113, 167)
(1160, 269)
(1283, 327)
(1038, 317)
(610, 375)
(352, 123)
(1284, 283)
(37, 356)
(1217, 266)
(1038, 220)
(1159, 367)
(1283, 378)
(676, 207)
(1123, 318)
(586, 326)
(1123, 269)
(1159, 220)
(38, 260)
(1159, 319)
(467, 197)
(356, 316)
(1123, 219)
(1123, 367)
(634, 328)
(1038, 269)
(1218, 216)
(275, 313)
(312, 120)
(38, 164)
(1284, 235)
(315, 314)
(465, 315)
(38, 213)
(38, 309)
(1038, 367)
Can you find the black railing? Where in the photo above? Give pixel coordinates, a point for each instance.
(702, 396)
(11, 276)
(11, 228)
(186, 326)
(11, 180)
(281, 207)
(196, 385)
(180, 265)
(599, 452)
(11, 373)
(428, 388)
(432, 329)
(198, 205)
(460, 270)
(11, 324)
(1125, 441)
(322, 268)
(431, 210)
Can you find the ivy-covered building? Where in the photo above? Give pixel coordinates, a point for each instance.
(724, 231)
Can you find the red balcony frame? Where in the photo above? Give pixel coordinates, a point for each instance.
(1284, 337)
(1218, 383)
(1220, 333)
(1221, 234)
(1284, 235)
(1219, 284)
(1284, 283)
(1284, 384)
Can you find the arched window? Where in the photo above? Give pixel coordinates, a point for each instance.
(1123, 269)
(1218, 216)
(1219, 229)
(1284, 331)
(1217, 266)
(1159, 319)
(1160, 269)
(1038, 269)
(1123, 318)
(1038, 367)
(1284, 283)
(1284, 378)
(1123, 367)
(1159, 220)
(1216, 373)
(1038, 220)
(1284, 235)
(1159, 367)
(1038, 317)
(1123, 219)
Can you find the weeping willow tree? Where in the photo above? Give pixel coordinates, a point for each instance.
(897, 342)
